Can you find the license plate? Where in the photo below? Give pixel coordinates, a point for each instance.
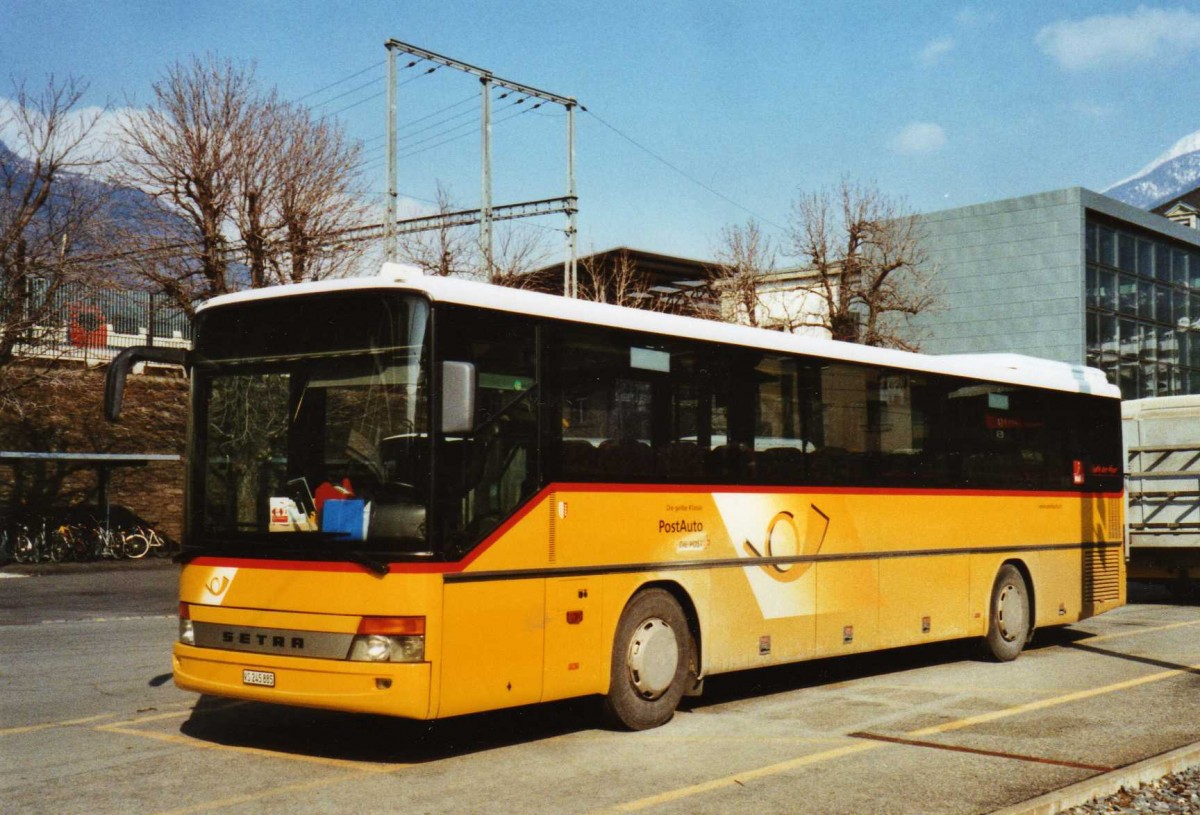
(264, 678)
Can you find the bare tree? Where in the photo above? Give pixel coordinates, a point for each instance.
(518, 254)
(443, 251)
(618, 282)
(862, 260)
(49, 217)
(254, 173)
(248, 177)
(744, 258)
(616, 278)
(182, 151)
(316, 197)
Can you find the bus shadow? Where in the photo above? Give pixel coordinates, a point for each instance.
(1154, 663)
(381, 739)
(832, 670)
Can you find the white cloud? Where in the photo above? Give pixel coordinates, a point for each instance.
(96, 129)
(1118, 40)
(934, 50)
(918, 138)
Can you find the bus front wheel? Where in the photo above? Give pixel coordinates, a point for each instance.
(650, 662)
(1009, 623)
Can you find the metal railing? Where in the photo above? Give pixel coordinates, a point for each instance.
(93, 323)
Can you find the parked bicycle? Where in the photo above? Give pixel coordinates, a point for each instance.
(35, 542)
(159, 546)
(69, 535)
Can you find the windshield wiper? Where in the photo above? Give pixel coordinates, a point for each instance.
(259, 541)
(378, 567)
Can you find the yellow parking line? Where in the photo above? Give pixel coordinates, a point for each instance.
(1051, 702)
(175, 714)
(862, 747)
(175, 738)
(33, 728)
(1104, 637)
(742, 777)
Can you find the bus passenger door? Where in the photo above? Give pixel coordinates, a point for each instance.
(575, 662)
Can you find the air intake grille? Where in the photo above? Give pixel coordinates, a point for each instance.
(1101, 574)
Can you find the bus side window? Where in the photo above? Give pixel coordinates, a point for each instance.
(637, 408)
(787, 432)
(486, 473)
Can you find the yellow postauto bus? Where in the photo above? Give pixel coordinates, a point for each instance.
(427, 497)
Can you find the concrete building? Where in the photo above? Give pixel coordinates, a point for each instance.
(1070, 275)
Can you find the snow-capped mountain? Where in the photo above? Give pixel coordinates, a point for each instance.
(1173, 173)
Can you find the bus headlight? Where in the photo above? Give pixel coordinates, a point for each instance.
(389, 639)
(378, 648)
(187, 633)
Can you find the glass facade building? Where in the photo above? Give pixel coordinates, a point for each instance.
(1069, 275)
(1143, 309)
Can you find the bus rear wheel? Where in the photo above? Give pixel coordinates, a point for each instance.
(1009, 623)
(650, 664)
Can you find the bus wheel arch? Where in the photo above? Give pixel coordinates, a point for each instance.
(1011, 612)
(654, 657)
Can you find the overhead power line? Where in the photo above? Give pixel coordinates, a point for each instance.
(366, 99)
(362, 101)
(682, 172)
(339, 82)
(355, 89)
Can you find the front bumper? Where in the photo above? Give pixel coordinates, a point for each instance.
(391, 689)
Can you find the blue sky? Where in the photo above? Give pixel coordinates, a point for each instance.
(940, 104)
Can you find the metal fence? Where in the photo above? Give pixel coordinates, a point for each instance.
(94, 323)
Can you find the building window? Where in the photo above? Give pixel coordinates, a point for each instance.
(1143, 311)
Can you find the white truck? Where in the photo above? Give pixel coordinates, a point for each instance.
(1162, 449)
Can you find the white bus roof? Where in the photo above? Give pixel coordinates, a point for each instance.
(1014, 369)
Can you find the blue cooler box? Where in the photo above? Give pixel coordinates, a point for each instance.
(347, 515)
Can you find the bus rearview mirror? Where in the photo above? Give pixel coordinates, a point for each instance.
(118, 370)
(458, 397)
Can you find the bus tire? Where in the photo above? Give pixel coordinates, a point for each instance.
(650, 662)
(1009, 623)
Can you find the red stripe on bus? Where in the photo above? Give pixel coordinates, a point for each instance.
(536, 500)
(768, 489)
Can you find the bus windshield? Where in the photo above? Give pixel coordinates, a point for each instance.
(312, 420)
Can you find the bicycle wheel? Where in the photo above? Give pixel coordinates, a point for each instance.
(23, 550)
(57, 547)
(134, 545)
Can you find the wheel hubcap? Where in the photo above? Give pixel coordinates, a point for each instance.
(653, 658)
(1011, 615)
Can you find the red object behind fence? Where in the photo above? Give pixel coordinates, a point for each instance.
(87, 328)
